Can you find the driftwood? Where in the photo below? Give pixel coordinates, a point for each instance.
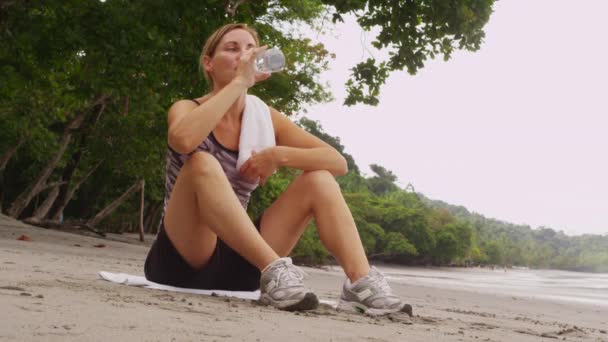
(68, 225)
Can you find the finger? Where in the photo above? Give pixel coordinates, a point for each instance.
(247, 163)
(262, 76)
(251, 179)
(250, 173)
(260, 49)
(248, 55)
(245, 166)
(247, 175)
(263, 180)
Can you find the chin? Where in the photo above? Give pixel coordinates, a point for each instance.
(226, 79)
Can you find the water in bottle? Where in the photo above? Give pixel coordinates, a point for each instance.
(271, 60)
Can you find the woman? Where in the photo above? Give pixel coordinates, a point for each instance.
(206, 239)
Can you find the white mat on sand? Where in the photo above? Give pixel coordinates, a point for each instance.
(139, 281)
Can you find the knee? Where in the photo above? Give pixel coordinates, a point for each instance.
(203, 164)
(320, 182)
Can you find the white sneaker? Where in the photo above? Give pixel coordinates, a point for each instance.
(282, 287)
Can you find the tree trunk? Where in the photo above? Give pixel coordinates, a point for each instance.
(68, 173)
(11, 152)
(6, 157)
(22, 201)
(112, 206)
(26, 196)
(43, 209)
(65, 194)
(141, 212)
(61, 203)
(152, 216)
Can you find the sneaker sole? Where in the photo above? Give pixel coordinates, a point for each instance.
(309, 302)
(359, 308)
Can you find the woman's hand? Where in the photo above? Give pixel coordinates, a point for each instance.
(260, 165)
(246, 72)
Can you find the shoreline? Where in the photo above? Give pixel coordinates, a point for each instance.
(133, 238)
(49, 290)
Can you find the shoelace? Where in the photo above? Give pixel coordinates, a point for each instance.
(291, 275)
(380, 282)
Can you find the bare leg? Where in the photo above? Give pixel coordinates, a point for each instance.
(316, 193)
(202, 207)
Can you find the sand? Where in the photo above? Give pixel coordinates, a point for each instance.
(49, 291)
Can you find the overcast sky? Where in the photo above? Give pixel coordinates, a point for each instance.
(517, 131)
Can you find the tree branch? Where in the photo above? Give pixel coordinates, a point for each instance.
(231, 7)
(112, 206)
(11, 152)
(64, 202)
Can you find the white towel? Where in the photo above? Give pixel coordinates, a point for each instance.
(257, 132)
(139, 281)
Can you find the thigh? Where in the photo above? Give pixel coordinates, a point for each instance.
(286, 219)
(192, 238)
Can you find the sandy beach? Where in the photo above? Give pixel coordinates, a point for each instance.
(50, 291)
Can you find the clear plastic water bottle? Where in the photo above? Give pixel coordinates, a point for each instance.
(271, 60)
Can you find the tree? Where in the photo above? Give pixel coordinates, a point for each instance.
(383, 182)
(411, 31)
(58, 57)
(398, 245)
(494, 253)
(446, 248)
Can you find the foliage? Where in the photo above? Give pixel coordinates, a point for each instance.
(58, 57)
(308, 250)
(412, 31)
(501, 243)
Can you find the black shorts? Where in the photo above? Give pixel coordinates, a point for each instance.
(226, 270)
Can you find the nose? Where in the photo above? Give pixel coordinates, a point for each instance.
(239, 55)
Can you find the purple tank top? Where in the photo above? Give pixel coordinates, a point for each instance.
(227, 159)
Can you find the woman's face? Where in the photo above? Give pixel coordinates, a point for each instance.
(222, 66)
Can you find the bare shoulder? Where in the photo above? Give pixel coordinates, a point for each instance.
(179, 108)
(188, 104)
(182, 107)
(279, 120)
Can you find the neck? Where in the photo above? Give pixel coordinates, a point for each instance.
(235, 112)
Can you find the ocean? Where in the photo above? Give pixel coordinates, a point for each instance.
(590, 288)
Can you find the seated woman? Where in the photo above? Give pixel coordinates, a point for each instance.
(206, 239)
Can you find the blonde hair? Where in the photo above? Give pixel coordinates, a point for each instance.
(213, 41)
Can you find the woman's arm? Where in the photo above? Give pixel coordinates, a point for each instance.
(190, 124)
(296, 149)
(299, 149)
(309, 159)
